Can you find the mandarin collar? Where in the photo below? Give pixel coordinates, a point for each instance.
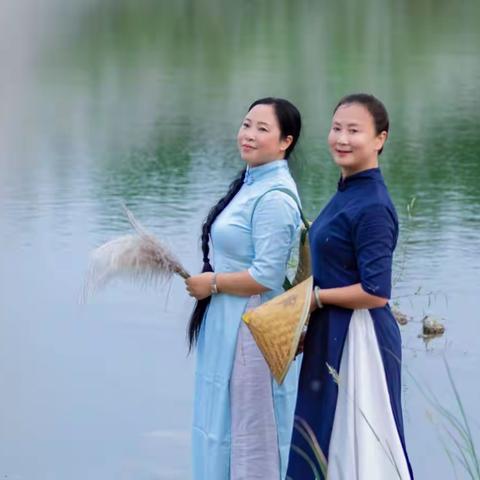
(370, 174)
(252, 174)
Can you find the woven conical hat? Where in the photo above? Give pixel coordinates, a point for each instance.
(277, 325)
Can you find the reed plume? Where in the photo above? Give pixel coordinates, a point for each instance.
(141, 257)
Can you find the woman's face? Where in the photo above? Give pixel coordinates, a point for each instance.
(259, 139)
(353, 141)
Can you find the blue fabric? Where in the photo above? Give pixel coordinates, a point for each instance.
(256, 231)
(352, 241)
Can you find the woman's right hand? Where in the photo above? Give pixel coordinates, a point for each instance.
(200, 286)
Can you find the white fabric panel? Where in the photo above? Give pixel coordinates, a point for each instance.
(254, 453)
(365, 444)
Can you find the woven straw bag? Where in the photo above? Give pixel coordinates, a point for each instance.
(304, 267)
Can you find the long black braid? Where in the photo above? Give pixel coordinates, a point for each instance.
(201, 305)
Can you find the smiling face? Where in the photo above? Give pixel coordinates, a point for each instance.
(260, 138)
(354, 143)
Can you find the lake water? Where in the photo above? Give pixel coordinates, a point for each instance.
(110, 102)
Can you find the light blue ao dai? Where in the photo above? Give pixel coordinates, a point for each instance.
(256, 231)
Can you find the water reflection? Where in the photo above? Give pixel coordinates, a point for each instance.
(111, 102)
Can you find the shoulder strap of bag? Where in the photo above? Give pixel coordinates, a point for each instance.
(286, 283)
(291, 195)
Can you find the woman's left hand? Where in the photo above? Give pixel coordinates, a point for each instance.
(200, 286)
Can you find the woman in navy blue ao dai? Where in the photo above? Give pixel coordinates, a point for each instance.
(357, 422)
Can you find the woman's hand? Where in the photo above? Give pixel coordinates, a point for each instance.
(200, 286)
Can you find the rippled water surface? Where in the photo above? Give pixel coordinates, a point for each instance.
(111, 102)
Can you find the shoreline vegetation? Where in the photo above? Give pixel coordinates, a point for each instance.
(431, 325)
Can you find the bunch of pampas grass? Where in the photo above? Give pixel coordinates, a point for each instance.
(141, 257)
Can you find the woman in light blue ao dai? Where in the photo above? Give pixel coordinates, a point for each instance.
(243, 419)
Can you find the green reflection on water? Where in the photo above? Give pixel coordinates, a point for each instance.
(194, 66)
(111, 101)
(141, 100)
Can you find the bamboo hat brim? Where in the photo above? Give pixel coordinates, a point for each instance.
(277, 325)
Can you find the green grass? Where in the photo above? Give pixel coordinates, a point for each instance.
(454, 429)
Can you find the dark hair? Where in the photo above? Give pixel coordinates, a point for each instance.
(290, 123)
(288, 116)
(375, 107)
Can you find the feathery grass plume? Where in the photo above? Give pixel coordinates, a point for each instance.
(142, 257)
